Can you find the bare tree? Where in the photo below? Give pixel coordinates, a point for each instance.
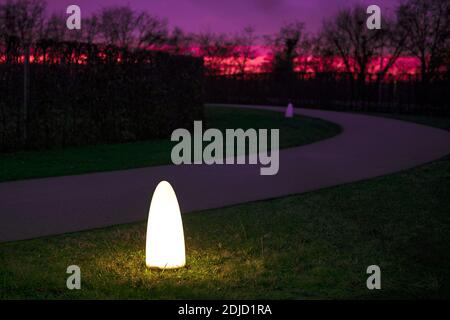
(179, 42)
(290, 43)
(152, 31)
(118, 25)
(20, 22)
(55, 28)
(427, 23)
(51, 35)
(392, 44)
(348, 37)
(323, 56)
(217, 50)
(91, 28)
(244, 49)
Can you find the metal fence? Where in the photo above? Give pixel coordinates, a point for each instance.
(336, 91)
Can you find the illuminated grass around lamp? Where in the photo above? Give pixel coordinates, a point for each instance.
(165, 237)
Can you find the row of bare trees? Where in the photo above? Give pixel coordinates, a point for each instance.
(24, 23)
(416, 28)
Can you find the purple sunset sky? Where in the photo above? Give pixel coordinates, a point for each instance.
(229, 15)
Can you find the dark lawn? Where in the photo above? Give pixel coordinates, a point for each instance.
(76, 160)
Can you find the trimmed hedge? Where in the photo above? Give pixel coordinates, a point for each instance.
(77, 104)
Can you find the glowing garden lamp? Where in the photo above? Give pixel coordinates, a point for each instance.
(289, 112)
(165, 237)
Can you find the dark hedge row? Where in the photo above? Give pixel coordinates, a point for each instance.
(99, 103)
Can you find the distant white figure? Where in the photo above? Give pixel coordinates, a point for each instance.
(289, 111)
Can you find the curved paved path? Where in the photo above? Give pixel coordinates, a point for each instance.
(368, 147)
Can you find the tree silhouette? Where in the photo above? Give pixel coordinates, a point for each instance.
(427, 24)
(287, 45)
(20, 22)
(152, 31)
(117, 26)
(244, 49)
(217, 49)
(347, 37)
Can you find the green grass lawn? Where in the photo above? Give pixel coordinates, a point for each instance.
(37, 164)
(308, 246)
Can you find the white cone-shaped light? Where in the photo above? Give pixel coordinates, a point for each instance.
(289, 113)
(165, 237)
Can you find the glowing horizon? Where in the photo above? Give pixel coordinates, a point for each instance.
(404, 65)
